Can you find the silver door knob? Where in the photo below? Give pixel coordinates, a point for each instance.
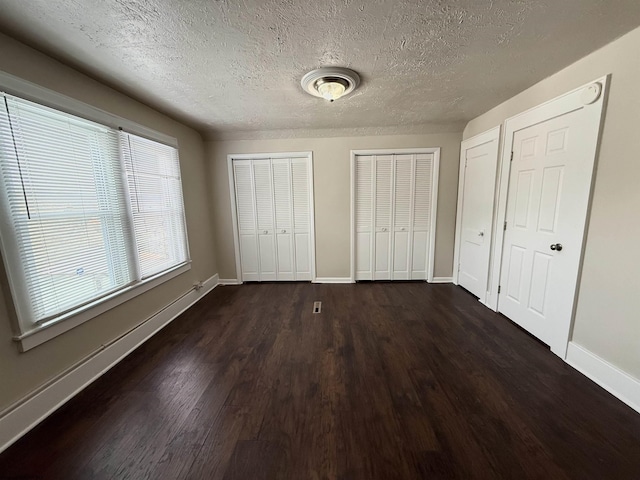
(556, 246)
(402, 229)
(384, 229)
(283, 231)
(265, 232)
(481, 234)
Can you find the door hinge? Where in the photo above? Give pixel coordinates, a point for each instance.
(458, 267)
(511, 157)
(505, 225)
(499, 287)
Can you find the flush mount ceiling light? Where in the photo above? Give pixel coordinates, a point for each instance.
(330, 83)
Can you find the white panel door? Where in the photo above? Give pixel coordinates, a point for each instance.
(402, 207)
(265, 219)
(364, 217)
(421, 216)
(383, 165)
(245, 206)
(300, 175)
(546, 208)
(477, 217)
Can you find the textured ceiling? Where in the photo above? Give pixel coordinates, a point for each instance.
(233, 68)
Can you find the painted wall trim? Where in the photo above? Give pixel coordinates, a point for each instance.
(554, 107)
(617, 382)
(40, 335)
(563, 104)
(333, 280)
(24, 415)
(442, 280)
(229, 281)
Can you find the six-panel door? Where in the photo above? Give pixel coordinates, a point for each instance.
(548, 196)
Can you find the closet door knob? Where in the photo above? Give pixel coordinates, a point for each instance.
(283, 231)
(265, 232)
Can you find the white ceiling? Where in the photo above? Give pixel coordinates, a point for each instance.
(233, 68)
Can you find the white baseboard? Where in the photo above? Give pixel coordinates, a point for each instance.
(611, 378)
(230, 281)
(442, 280)
(332, 280)
(18, 419)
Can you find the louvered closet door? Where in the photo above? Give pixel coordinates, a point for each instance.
(281, 171)
(421, 216)
(364, 217)
(382, 217)
(245, 204)
(265, 219)
(403, 189)
(300, 175)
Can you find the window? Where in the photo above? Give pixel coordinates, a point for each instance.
(88, 210)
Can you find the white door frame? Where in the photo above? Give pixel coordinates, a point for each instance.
(569, 102)
(431, 253)
(492, 135)
(234, 211)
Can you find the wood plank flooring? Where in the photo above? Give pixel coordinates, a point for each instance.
(389, 381)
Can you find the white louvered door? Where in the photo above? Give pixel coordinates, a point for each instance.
(265, 219)
(403, 189)
(364, 217)
(300, 174)
(392, 216)
(422, 211)
(273, 209)
(283, 204)
(382, 218)
(245, 207)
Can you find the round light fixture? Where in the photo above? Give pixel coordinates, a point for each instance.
(330, 83)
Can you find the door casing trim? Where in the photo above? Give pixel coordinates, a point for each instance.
(562, 105)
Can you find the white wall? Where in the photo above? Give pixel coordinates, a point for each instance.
(607, 321)
(332, 184)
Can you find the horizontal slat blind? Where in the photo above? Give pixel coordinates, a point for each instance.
(64, 196)
(153, 177)
(87, 210)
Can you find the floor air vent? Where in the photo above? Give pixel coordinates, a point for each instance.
(317, 307)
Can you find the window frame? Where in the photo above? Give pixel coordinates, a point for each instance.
(33, 334)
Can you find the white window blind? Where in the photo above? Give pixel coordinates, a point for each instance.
(153, 177)
(85, 213)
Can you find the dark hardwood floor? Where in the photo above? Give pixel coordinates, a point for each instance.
(389, 381)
